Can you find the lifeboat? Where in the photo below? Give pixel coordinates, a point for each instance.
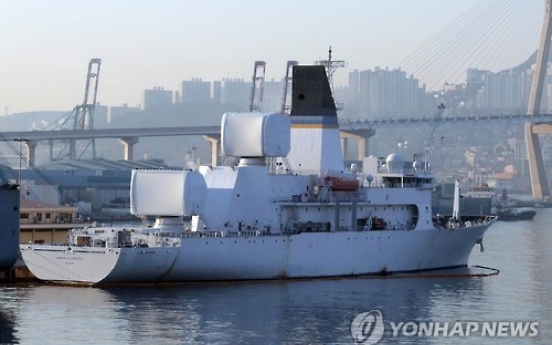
(339, 183)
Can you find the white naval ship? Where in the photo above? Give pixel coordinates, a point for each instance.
(289, 209)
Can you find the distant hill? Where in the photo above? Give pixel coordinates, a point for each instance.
(525, 65)
(35, 120)
(176, 115)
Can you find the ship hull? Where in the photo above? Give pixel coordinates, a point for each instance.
(90, 265)
(9, 227)
(303, 255)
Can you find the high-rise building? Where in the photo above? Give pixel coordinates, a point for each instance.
(272, 96)
(500, 92)
(235, 93)
(157, 98)
(100, 116)
(217, 92)
(116, 112)
(196, 91)
(384, 93)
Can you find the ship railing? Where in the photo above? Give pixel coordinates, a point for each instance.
(323, 197)
(226, 233)
(293, 198)
(168, 234)
(464, 222)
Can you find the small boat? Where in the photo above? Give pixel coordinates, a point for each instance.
(516, 213)
(288, 210)
(343, 183)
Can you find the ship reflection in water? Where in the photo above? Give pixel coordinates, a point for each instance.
(318, 311)
(312, 311)
(7, 327)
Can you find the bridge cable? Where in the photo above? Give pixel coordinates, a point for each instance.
(477, 19)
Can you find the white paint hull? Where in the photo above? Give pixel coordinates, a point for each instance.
(267, 199)
(304, 255)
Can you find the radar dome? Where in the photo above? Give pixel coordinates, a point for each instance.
(369, 178)
(395, 163)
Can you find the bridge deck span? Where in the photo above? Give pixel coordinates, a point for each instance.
(129, 137)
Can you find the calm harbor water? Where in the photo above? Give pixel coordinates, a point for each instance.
(300, 312)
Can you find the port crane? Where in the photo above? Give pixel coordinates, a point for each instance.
(82, 116)
(288, 79)
(257, 87)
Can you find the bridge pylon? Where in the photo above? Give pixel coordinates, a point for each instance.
(539, 182)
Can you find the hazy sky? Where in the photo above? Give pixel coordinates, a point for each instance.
(46, 45)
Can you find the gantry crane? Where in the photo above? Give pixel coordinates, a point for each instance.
(258, 84)
(83, 114)
(288, 79)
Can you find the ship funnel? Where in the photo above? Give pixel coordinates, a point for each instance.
(315, 143)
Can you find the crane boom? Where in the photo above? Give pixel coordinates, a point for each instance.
(83, 114)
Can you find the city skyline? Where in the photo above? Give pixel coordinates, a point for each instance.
(47, 45)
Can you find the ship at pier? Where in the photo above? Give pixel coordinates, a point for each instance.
(288, 210)
(9, 220)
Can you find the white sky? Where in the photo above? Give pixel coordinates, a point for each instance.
(45, 45)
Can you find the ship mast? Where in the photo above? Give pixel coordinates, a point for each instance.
(331, 67)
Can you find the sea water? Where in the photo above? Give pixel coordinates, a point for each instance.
(301, 312)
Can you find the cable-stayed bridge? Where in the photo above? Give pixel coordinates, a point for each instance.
(431, 63)
(383, 122)
(357, 130)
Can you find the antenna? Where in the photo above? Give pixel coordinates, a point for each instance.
(331, 67)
